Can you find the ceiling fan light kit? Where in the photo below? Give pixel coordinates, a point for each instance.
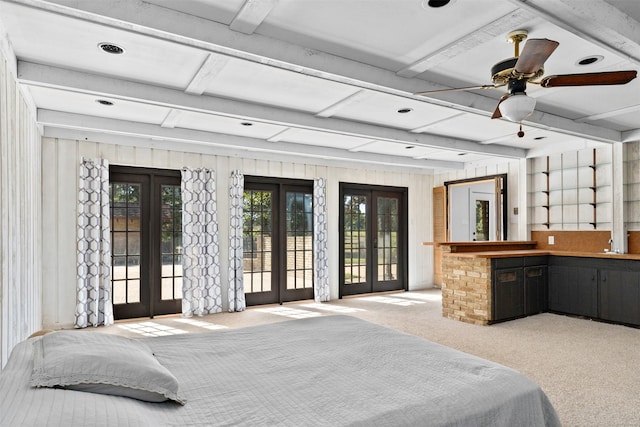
(528, 67)
(517, 107)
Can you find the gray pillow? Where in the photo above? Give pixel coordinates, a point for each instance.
(101, 363)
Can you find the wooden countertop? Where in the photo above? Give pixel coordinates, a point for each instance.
(484, 246)
(539, 252)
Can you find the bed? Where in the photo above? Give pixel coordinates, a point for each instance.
(325, 371)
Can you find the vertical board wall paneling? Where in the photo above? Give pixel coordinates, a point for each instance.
(51, 262)
(62, 283)
(4, 213)
(20, 216)
(67, 213)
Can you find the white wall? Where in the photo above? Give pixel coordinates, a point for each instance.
(20, 212)
(60, 185)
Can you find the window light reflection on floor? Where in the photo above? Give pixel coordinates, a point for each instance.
(290, 312)
(332, 308)
(199, 323)
(392, 300)
(151, 329)
(417, 296)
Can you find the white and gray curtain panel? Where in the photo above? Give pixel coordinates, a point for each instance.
(201, 289)
(93, 296)
(320, 256)
(236, 289)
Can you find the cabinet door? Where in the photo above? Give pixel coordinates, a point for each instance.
(508, 294)
(620, 296)
(535, 289)
(573, 290)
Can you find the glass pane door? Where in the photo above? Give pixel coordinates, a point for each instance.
(126, 238)
(278, 242)
(146, 240)
(372, 240)
(387, 243)
(258, 246)
(299, 245)
(355, 239)
(171, 244)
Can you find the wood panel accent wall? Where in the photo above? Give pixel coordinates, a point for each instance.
(633, 242)
(578, 241)
(439, 230)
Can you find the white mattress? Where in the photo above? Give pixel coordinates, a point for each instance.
(324, 371)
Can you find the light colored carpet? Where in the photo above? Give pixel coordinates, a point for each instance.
(589, 370)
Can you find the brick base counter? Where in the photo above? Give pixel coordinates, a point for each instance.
(466, 289)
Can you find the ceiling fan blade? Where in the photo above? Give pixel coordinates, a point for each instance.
(497, 114)
(429, 92)
(590, 79)
(534, 54)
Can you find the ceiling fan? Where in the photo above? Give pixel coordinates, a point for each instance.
(527, 67)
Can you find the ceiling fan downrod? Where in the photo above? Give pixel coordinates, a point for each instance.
(516, 37)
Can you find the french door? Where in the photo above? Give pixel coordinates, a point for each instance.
(146, 241)
(373, 239)
(278, 241)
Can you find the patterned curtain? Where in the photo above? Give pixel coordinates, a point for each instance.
(320, 257)
(93, 300)
(201, 290)
(236, 288)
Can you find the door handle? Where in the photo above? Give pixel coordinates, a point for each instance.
(375, 243)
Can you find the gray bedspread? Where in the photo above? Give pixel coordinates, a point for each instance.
(324, 371)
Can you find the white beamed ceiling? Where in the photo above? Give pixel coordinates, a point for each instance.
(322, 79)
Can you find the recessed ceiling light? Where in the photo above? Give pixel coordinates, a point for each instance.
(111, 48)
(409, 147)
(435, 3)
(246, 123)
(405, 110)
(590, 60)
(462, 154)
(538, 138)
(104, 102)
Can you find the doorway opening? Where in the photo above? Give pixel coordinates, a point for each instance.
(477, 209)
(146, 241)
(373, 239)
(278, 240)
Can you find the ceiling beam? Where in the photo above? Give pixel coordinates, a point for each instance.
(213, 150)
(172, 118)
(631, 136)
(611, 113)
(167, 24)
(357, 96)
(99, 125)
(251, 15)
(80, 82)
(207, 72)
(596, 20)
(499, 27)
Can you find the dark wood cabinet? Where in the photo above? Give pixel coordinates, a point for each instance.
(508, 294)
(535, 289)
(599, 288)
(573, 290)
(519, 287)
(620, 296)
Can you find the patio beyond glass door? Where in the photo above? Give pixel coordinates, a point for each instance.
(278, 242)
(146, 242)
(372, 241)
